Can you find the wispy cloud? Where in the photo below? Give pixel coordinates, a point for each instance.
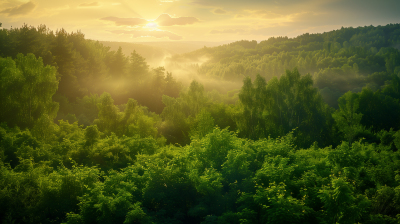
(89, 4)
(20, 10)
(264, 14)
(125, 21)
(233, 31)
(167, 20)
(48, 12)
(219, 11)
(149, 33)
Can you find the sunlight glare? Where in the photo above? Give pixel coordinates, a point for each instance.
(151, 25)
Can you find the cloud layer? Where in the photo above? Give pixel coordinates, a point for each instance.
(233, 31)
(264, 14)
(219, 11)
(162, 20)
(89, 4)
(20, 10)
(126, 21)
(167, 20)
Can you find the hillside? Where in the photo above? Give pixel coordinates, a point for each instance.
(157, 52)
(339, 60)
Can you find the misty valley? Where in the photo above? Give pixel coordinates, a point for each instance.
(284, 130)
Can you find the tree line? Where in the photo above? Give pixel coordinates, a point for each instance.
(272, 152)
(341, 60)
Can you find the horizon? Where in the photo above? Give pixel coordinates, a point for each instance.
(197, 20)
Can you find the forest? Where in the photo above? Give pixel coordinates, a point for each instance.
(286, 130)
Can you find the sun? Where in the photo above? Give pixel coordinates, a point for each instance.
(151, 25)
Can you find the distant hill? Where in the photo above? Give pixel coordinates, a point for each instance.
(339, 60)
(156, 52)
(153, 54)
(184, 47)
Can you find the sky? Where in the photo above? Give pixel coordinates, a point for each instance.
(197, 20)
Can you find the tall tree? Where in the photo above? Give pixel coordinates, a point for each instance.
(118, 65)
(346, 117)
(138, 66)
(27, 87)
(276, 108)
(64, 56)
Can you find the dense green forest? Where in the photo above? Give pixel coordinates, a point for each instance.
(91, 135)
(343, 60)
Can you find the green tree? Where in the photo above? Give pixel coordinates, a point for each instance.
(92, 134)
(282, 105)
(346, 118)
(379, 110)
(138, 66)
(64, 56)
(277, 206)
(109, 114)
(44, 128)
(118, 64)
(27, 87)
(252, 121)
(203, 124)
(341, 206)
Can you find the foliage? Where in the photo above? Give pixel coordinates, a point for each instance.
(155, 152)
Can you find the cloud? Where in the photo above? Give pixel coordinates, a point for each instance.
(149, 33)
(20, 10)
(126, 21)
(91, 4)
(250, 3)
(48, 12)
(167, 20)
(162, 20)
(219, 11)
(227, 31)
(264, 14)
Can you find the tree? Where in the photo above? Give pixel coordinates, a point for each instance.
(172, 87)
(340, 204)
(138, 66)
(252, 120)
(194, 99)
(27, 88)
(118, 64)
(282, 105)
(44, 128)
(28, 40)
(379, 111)
(64, 56)
(92, 134)
(204, 124)
(108, 114)
(347, 120)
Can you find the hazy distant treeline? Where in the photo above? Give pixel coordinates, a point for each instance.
(339, 60)
(87, 67)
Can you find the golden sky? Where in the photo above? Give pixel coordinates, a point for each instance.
(197, 20)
